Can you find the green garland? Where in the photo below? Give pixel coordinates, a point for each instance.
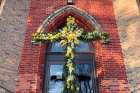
(70, 36)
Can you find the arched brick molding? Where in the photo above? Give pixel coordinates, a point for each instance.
(64, 12)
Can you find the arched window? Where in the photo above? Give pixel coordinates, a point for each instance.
(85, 68)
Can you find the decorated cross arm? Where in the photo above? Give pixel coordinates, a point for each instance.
(95, 35)
(70, 36)
(71, 33)
(42, 36)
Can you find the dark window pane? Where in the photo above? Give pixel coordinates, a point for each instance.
(56, 83)
(79, 57)
(56, 79)
(84, 67)
(82, 47)
(55, 58)
(56, 47)
(84, 72)
(85, 57)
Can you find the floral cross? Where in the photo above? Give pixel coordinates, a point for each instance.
(70, 36)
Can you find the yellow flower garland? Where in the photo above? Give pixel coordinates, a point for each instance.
(70, 36)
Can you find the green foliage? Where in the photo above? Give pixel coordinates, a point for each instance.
(95, 35)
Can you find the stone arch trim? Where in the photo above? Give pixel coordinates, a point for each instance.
(68, 9)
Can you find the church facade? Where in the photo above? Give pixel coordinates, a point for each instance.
(39, 63)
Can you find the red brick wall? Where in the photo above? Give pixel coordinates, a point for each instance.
(109, 58)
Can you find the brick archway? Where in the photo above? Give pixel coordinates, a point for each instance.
(59, 16)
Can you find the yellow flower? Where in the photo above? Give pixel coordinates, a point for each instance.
(70, 79)
(70, 67)
(76, 41)
(71, 37)
(71, 20)
(65, 31)
(63, 42)
(49, 36)
(70, 52)
(79, 32)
